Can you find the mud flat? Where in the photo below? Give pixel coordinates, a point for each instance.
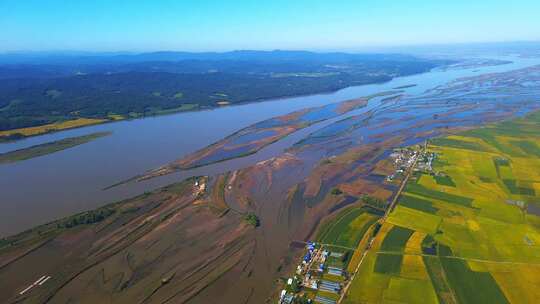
(149, 248)
(257, 136)
(475, 63)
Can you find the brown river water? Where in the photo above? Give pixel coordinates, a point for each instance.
(42, 189)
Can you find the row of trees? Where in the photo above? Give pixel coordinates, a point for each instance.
(89, 217)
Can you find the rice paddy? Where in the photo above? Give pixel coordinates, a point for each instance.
(463, 233)
(347, 228)
(396, 239)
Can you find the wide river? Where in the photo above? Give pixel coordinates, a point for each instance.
(42, 189)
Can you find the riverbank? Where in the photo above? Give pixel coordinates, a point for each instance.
(12, 135)
(49, 148)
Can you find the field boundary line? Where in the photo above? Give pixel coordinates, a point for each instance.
(456, 257)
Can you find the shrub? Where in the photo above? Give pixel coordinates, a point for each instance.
(336, 191)
(85, 218)
(252, 219)
(373, 201)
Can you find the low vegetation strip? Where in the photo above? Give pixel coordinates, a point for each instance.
(49, 148)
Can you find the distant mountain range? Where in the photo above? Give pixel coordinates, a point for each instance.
(78, 58)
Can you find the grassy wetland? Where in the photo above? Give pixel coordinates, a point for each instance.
(48, 148)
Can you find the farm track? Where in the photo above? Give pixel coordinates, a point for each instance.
(382, 220)
(329, 245)
(457, 258)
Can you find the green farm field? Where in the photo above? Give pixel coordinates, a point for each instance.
(466, 232)
(347, 228)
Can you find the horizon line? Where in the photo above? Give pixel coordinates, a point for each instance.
(359, 49)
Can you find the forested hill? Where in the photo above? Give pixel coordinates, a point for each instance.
(40, 90)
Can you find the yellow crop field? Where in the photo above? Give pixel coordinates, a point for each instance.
(516, 280)
(402, 290)
(412, 267)
(69, 124)
(414, 245)
(116, 117)
(360, 249)
(413, 219)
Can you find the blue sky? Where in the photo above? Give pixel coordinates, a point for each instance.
(196, 25)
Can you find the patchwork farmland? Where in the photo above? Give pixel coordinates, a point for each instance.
(468, 231)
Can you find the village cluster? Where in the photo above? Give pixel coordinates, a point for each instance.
(318, 278)
(404, 158)
(312, 275)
